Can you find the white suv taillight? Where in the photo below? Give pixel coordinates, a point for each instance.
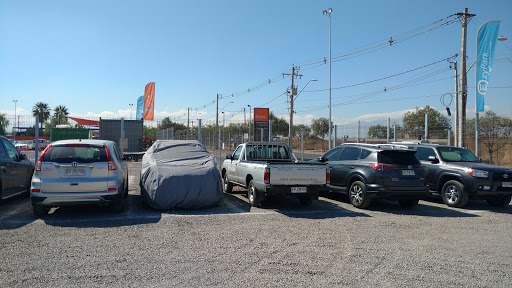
(266, 176)
(111, 164)
(40, 160)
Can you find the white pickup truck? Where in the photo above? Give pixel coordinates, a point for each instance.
(268, 169)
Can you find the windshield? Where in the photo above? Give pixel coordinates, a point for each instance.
(455, 154)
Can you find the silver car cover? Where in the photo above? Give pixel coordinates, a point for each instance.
(179, 174)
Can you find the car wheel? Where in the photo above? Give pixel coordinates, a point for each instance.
(306, 200)
(228, 186)
(501, 201)
(40, 211)
(357, 195)
(408, 203)
(453, 194)
(126, 187)
(252, 194)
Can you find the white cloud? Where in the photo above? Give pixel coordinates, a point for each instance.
(374, 117)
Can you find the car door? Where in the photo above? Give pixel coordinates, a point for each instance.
(331, 159)
(346, 165)
(233, 167)
(15, 169)
(422, 153)
(6, 173)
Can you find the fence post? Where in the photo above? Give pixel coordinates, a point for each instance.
(199, 135)
(476, 134)
(335, 135)
(426, 127)
(358, 127)
(36, 147)
(394, 133)
(302, 145)
(121, 142)
(270, 138)
(389, 125)
(449, 137)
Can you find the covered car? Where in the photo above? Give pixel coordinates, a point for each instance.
(179, 174)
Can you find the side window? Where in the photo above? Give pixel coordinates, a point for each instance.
(364, 154)
(423, 153)
(11, 150)
(236, 155)
(116, 151)
(350, 153)
(3, 154)
(334, 154)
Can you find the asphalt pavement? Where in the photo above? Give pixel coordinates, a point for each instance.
(281, 244)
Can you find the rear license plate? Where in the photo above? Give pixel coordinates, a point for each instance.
(299, 190)
(408, 172)
(75, 172)
(506, 184)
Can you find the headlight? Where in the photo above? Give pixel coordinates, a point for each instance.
(478, 173)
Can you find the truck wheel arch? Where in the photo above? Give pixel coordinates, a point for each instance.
(445, 178)
(248, 180)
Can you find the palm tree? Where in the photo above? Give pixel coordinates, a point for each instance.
(60, 110)
(43, 111)
(3, 124)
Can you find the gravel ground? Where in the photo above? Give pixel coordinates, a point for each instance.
(281, 244)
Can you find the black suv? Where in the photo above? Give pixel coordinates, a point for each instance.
(366, 172)
(458, 175)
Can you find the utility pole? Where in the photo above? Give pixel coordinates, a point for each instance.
(188, 121)
(293, 92)
(217, 120)
(463, 80)
(456, 116)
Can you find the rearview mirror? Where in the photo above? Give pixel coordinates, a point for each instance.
(322, 159)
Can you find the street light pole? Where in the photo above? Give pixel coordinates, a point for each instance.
(13, 130)
(328, 12)
(131, 105)
(220, 156)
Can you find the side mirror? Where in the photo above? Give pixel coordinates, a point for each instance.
(433, 159)
(322, 159)
(229, 156)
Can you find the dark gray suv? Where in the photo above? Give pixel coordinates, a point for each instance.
(366, 172)
(15, 170)
(457, 175)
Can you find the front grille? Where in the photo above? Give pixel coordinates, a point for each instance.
(500, 177)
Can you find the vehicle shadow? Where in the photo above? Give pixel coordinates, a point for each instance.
(15, 213)
(393, 207)
(290, 206)
(475, 205)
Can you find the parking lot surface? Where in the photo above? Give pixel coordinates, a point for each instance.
(281, 244)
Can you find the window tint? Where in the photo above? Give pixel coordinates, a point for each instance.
(12, 152)
(423, 153)
(69, 154)
(364, 154)
(397, 157)
(236, 155)
(350, 153)
(3, 154)
(334, 154)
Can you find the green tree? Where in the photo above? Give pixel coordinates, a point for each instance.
(60, 112)
(43, 111)
(297, 129)
(414, 123)
(3, 124)
(493, 131)
(279, 125)
(381, 132)
(320, 127)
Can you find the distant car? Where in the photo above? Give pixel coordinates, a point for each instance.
(43, 143)
(71, 172)
(457, 175)
(15, 170)
(21, 146)
(366, 172)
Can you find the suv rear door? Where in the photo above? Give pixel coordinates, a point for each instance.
(345, 166)
(74, 168)
(405, 168)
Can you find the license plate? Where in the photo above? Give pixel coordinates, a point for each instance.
(506, 184)
(407, 172)
(75, 172)
(299, 190)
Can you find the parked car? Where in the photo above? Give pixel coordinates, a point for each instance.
(179, 174)
(43, 143)
(365, 172)
(21, 146)
(71, 172)
(15, 170)
(457, 175)
(268, 169)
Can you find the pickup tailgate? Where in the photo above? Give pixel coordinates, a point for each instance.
(297, 175)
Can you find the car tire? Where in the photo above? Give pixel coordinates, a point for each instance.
(408, 203)
(357, 195)
(500, 201)
(228, 186)
(306, 200)
(252, 195)
(453, 194)
(40, 211)
(126, 188)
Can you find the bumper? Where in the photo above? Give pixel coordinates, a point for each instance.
(74, 198)
(403, 192)
(482, 188)
(278, 190)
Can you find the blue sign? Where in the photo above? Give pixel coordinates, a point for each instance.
(140, 108)
(486, 45)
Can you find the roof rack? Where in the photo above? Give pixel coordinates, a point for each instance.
(383, 146)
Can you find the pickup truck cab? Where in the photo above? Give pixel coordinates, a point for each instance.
(268, 169)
